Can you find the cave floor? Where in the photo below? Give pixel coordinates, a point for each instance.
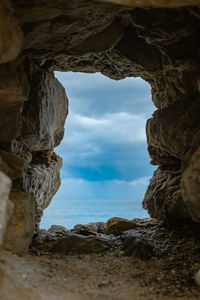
(168, 274)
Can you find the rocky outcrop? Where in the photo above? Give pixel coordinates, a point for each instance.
(44, 113)
(20, 227)
(42, 179)
(163, 198)
(156, 41)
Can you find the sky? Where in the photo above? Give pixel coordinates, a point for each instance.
(104, 149)
(106, 166)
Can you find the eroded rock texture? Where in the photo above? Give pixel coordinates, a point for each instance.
(136, 38)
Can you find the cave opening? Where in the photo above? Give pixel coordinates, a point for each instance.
(106, 167)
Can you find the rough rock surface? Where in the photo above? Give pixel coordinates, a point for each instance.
(11, 36)
(20, 227)
(190, 186)
(45, 112)
(160, 44)
(117, 225)
(14, 90)
(163, 198)
(5, 204)
(42, 179)
(160, 3)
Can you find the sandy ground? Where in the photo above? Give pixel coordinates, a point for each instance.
(169, 274)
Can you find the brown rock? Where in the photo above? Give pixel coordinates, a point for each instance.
(12, 165)
(118, 225)
(190, 186)
(10, 118)
(14, 87)
(162, 3)
(79, 244)
(5, 204)
(20, 227)
(173, 129)
(163, 198)
(45, 112)
(11, 36)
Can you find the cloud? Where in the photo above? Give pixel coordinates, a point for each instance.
(78, 188)
(105, 129)
(96, 95)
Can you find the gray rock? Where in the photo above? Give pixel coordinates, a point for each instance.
(57, 229)
(6, 206)
(42, 179)
(45, 112)
(77, 244)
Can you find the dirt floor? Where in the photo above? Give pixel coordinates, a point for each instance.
(110, 275)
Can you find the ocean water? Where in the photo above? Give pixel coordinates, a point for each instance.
(69, 212)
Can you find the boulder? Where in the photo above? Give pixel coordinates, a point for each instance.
(45, 112)
(42, 179)
(118, 225)
(163, 198)
(20, 227)
(72, 243)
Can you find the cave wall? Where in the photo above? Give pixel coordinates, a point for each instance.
(136, 38)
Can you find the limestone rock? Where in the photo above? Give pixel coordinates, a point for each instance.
(83, 230)
(5, 204)
(14, 87)
(98, 227)
(42, 179)
(118, 225)
(12, 165)
(79, 244)
(163, 198)
(20, 227)
(57, 229)
(45, 112)
(10, 118)
(11, 36)
(190, 186)
(162, 3)
(173, 129)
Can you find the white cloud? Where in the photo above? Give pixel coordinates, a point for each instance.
(112, 189)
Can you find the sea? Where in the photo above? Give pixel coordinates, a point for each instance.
(69, 212)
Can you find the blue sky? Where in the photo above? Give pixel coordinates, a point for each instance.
(104, 148)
